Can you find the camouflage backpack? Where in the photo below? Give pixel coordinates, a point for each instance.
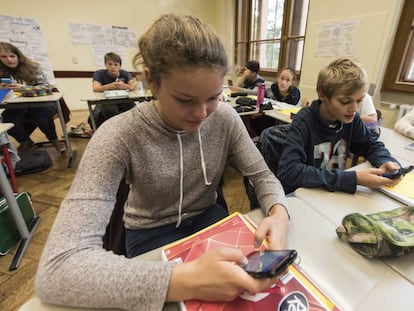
(383, 234)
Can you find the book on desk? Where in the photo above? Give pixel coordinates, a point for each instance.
(113, 94)
(293, 290)
(403, 191)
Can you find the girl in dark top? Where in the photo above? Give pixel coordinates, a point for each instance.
(284, 89)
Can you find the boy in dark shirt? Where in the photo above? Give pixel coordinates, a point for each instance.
(324, 134)
(249, 80)
(113, 78)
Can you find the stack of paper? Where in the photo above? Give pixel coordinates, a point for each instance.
(403, 191)
(116, 94)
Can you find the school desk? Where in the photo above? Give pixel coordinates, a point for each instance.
(99, 98)
(397, 143)
(39, 101)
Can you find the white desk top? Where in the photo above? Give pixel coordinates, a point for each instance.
(352, 281)
(4, 127)
(99, 96)
(336, 205)
(396, 143)
(48, 98)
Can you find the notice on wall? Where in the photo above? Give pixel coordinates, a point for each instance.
(337, 39)
(103, 39)
(26, 34)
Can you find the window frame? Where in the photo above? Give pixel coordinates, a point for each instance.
(403, 36)
(243, 36)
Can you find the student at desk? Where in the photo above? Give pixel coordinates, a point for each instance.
(284, 90)
(323, 135)
(249, 80)
(112, 78)
(24, 72)
(173, 152)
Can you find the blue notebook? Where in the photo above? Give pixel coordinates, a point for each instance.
(4, 93)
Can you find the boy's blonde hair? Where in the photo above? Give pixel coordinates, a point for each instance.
(342, 75)
(179, 42)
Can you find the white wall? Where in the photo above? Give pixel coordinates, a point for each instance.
(378, 21)
(54, 16)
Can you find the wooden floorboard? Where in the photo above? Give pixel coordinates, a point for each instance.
(48, 188)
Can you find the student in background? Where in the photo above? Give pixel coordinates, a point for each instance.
(24, 73)
(284, 90)
(323, 135)
(367, 111)
(405, 125)
(173, 151)
(249, 80)
(112, 78)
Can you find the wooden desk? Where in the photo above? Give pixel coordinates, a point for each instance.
(396, 143)
(98, 98)
(26, 234)
(25, 102)
(352, 281)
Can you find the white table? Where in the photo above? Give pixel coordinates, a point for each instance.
(26, 233)
(396, 143)
(352, 281)
(98, 98)
(39, 101)
(335, 205)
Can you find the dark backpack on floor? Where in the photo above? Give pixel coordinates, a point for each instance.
(32, 162)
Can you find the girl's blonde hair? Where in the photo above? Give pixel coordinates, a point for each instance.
(342, 75)
(179, 42)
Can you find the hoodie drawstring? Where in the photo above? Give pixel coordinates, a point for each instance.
(203, 163)
(203, 167)
(180, 207)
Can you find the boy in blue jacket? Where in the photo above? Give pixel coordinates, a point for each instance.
(322, 137)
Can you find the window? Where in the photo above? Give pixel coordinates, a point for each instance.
(400, 71)
(271, 32)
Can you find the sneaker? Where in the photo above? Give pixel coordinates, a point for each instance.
(59, 146)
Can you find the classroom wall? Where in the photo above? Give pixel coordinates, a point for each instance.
(54, 16)
(377, 24)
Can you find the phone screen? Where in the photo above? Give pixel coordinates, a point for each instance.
(6, 80)
(269, 263)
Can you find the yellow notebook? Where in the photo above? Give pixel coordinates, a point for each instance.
(403, 191)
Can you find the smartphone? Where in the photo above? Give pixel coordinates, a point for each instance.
(398, 173)
(265, 264)
(6, 80)
(230, 82)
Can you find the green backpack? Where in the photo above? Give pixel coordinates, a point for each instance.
(382, 234)
(9, 234)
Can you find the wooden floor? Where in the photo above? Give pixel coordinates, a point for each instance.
(48, 189)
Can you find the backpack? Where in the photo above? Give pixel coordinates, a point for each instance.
(270, 145)
(9, 234)
(32, 162)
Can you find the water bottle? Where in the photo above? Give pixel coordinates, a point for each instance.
(260, 95)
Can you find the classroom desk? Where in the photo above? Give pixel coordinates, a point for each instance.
(26, 234)
(352, 281)
(98, 98)
(334, 206)
(25, 102)
(396, 143)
